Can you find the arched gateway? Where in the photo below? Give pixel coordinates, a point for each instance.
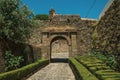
(53, 36)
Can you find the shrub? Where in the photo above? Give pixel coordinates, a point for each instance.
(107, 58)
(18, 74)
(111, 61)
(41, 17)
(98, 68)
(81, 71)
(28, 55)
(12, 62)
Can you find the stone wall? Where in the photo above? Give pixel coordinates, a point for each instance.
(84, 39)
(35, 36)
(66, 18)
(84, 31)
(36, 52)
(106, 35)
(62, 19)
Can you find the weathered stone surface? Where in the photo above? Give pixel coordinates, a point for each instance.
(84, 39)
(107, 33)
(64, 19)
(108, 30)
(79, 33)
(35, 36)
(54, 71)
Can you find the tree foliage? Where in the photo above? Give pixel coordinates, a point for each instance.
(41, 17)
(15, 20)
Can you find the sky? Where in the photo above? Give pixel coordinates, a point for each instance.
(79, 7)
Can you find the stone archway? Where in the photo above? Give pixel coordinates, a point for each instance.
(60, 47)
(51, 34)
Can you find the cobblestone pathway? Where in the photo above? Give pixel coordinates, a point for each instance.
(60, 55)
(54, 71)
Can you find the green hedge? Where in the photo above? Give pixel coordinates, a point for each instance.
(82, 72)
(41, 17)
(24, 71)
(98, 68)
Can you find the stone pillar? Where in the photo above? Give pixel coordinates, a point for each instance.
(44, 51)
(44, 39)
(45, 44)
(49, 52)
(70, 51)
(74, 44)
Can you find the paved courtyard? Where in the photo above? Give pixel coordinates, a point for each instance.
(54, 71)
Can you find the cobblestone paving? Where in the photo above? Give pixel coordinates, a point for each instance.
(60, 55)
(54, 71)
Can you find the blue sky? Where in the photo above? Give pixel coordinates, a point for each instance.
(80, 7)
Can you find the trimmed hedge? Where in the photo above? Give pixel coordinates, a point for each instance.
(18, 74)
(98, 68)
(81, 72)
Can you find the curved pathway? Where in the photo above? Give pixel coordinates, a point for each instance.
(54, 71)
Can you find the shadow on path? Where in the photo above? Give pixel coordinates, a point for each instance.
(60, 60)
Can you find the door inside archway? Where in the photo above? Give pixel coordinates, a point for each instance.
(59, 48)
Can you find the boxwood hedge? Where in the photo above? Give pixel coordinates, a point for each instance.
(18, 74)
(98, 68)
(80, 71)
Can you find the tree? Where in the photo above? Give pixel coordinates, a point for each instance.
(41, 17)
(15, 20)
